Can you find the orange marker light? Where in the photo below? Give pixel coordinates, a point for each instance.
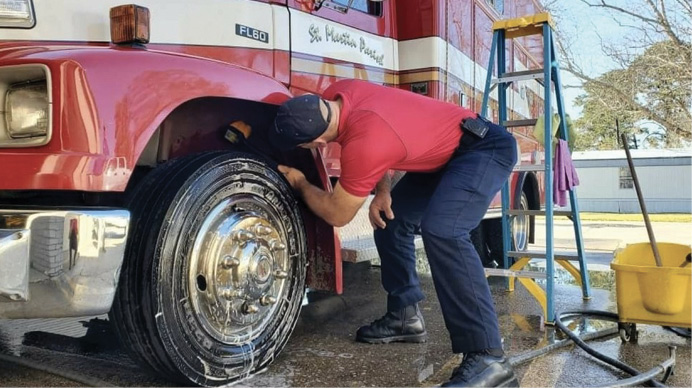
(129, 24)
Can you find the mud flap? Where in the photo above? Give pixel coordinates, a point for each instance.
(324, 260)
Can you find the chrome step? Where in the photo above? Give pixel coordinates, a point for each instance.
(530, 167)
(542, 254)
(357, 242)
(364, 249)
(516, 274)
(14, 264)
(519, 123)
(519, 76)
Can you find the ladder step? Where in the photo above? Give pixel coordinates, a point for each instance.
(530, 167)
(519, 123)
(519, 76)
(516, 274)
(541, 255)
(518, 212)
(523, 26)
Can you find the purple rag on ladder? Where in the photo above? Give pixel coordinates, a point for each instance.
(564, 172)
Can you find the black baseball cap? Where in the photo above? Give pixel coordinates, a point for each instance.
(299, 120)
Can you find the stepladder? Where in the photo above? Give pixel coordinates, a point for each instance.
(539, 283)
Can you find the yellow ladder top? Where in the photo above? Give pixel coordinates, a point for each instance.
(525, 25)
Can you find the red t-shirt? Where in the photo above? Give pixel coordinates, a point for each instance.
(383, 128)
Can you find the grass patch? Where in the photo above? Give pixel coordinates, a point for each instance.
(673, 217)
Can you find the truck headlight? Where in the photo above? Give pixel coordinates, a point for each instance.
(25, 106)
(17, 14)
(27, 110)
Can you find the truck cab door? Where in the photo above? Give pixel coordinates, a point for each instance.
(341, 39)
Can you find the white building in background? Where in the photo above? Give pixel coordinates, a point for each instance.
(606, 185)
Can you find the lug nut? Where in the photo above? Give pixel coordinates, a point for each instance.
(276, 245)
(229, 262)
(229, 293)
(267, 300)
(249, 308)
(262, 230)
(279, 274)
(243, 236)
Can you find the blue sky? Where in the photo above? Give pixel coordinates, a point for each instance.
(585, 24)
(588, 26)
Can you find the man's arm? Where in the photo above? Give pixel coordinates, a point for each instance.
(384, 186)
(336, 208)
(382, 202)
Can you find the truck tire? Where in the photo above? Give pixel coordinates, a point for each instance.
(520, 227)
(478, 241)
(214, 273)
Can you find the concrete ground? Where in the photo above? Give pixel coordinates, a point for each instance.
(321, 351)
(610, 235)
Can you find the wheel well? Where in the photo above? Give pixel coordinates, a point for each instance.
(199, 125)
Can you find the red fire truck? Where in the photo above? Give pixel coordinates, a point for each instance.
(120, 195)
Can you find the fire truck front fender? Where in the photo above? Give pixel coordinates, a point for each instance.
(107, 104)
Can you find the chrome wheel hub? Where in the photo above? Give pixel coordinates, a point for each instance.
(520, 227)
(238, 270)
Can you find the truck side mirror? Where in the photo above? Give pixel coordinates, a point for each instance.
(318, 4)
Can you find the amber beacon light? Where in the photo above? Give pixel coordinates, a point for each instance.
(129, 24)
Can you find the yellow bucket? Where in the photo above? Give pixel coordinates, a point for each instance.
(650, 294)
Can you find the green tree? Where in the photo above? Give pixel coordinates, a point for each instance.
(601, 106)
(663, 80)
(650, 98)
(650, 92)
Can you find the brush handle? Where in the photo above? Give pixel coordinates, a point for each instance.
(640, 197)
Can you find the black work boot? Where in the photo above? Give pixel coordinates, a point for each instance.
(481, 369)
(405, 325)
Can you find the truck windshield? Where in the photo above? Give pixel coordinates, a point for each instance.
(365, 6)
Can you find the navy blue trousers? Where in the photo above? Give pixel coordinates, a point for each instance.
(447, 205)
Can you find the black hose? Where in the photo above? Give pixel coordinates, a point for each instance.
(664, 367)
(530, 355)
(609, 360)
(681, 331)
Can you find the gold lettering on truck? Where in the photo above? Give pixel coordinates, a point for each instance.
(371, 52)
(314, 32)
(344, 38)
(339, 37)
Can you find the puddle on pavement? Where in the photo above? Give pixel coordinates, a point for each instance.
(607, 225)
(603, 279)
(597, 279)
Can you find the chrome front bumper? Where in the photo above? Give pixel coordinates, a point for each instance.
(60, 263)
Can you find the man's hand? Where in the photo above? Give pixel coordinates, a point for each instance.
(381, 203)
(294, 177)
(337, 207)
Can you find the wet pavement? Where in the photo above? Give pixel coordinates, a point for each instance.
(322, 351)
